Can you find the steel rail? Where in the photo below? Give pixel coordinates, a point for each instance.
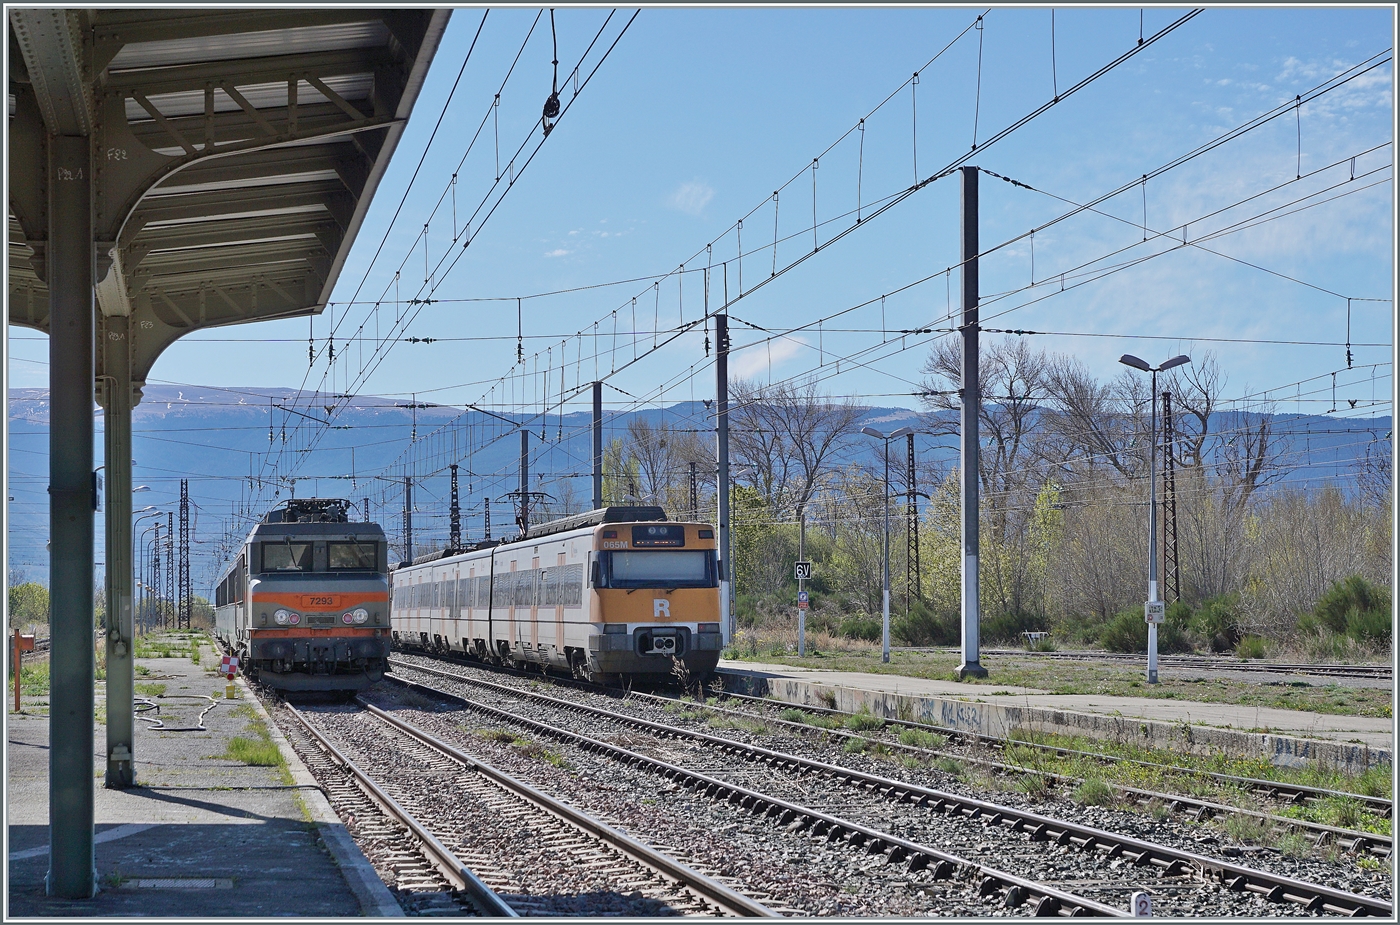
(1051, 901)
(1238, 877)
(458, 873)
(731, 901)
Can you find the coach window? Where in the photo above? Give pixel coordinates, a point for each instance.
(286, 557)
(352, 557)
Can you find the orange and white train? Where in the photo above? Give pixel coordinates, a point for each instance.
(616, 593)
(305, 601)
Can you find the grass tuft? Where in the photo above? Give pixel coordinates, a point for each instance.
(1093, 792)
(920, 738)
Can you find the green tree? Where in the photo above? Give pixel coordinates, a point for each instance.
(29, 603)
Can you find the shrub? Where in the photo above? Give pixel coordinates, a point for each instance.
(1127, 632)
(869, 629)
(1353, 607)
(922, 626)
(1216, 623)
(1007, 627)
(1250, 647)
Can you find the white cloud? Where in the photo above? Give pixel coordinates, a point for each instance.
(754, 361)
(691, 197)
(557, 252)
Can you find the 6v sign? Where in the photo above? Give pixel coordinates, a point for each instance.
(803, 571)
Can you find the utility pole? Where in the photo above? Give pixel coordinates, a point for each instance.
(168, 612)
(488, 518)
(694, 497)
(524, 481)
(368, 519)
(912, 585)
(597, 445)
(726, 567)
(455, 521)
(801, 582)
(186, 603)
(408, 518)
(1171, 563)
(971, 395)
(155, 576)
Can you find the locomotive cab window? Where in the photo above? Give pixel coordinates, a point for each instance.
(659, 569)
(286, 557)
(352, 556)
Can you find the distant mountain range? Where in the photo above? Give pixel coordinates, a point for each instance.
(220, 440)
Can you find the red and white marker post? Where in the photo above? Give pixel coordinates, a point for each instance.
(228, 668)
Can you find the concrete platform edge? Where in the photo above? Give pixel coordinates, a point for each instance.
(374, 897)
(1002, 719)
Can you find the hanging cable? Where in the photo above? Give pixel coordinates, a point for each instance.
(914, 98)
(551, 105)
(977, 103)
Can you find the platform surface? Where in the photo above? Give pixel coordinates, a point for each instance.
(1376, 732)
(201, 835)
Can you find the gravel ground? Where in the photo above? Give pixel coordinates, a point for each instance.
(1087, 874)
(535, 862)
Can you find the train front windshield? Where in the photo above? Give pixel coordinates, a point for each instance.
(660, 569)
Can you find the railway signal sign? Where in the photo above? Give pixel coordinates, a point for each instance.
(1154, 611)
(801, 600)
(229, 666)
(1141, 905)
(803, 571)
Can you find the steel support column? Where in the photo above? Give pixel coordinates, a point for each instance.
(726, 566)
(72, 873)
(597, 445)
(971, 393)
(116, 392)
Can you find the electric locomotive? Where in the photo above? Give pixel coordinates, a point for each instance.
(305, 602)
(612, 594)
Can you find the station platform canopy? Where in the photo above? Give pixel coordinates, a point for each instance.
(234, 154)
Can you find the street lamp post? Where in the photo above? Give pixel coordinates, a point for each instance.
(1153, 609)
(885, 609)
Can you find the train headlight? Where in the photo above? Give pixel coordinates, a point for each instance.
(361, 615)
(282, 617)
(295, 618)
(347, 618)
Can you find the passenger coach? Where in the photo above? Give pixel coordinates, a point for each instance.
(613, 593)
(305, 603)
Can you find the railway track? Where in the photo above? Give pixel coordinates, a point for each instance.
(1382, 672)
(425, 877)
(1159, 867)
(443, 794)
(1275, 791)
(1271, 790)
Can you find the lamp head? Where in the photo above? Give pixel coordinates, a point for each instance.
(902, 432)
(872, 432)
(1175, 362)
(1128, 359)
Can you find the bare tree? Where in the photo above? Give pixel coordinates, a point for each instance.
(784, 437)
(1093, 428)
(1013, 385)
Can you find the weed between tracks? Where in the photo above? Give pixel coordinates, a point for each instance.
(526, 747)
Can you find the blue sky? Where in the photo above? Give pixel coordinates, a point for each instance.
(699, 115)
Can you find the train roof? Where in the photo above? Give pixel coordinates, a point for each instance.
(634, 513)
